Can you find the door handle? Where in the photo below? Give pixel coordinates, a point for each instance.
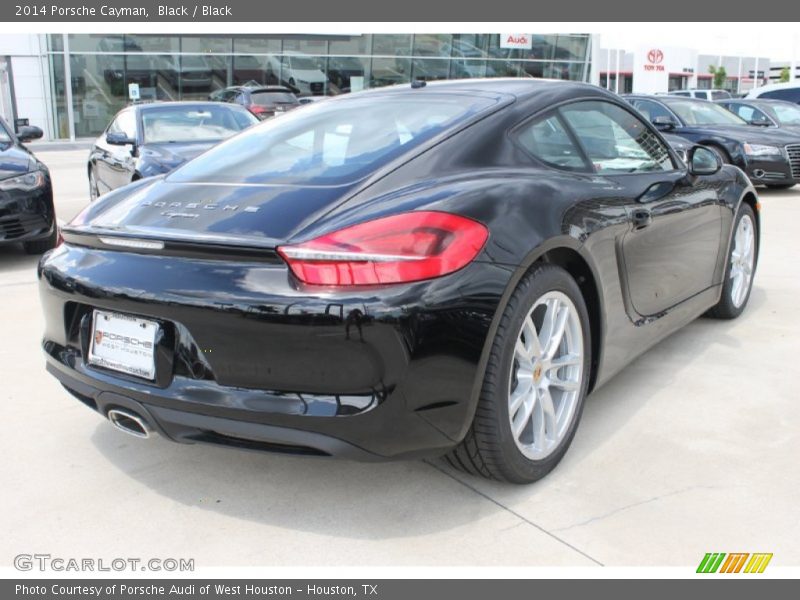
(641, 218)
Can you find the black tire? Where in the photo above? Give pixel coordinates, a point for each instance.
(489, 448)
(42, 246)
(721, 153)
(725, 308)
(780, 186)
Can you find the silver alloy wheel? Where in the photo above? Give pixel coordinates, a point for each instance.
(546, 375)
(742, 260)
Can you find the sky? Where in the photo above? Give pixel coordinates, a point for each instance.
(777, 41)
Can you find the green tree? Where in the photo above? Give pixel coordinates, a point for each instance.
(720, 76)
(784, 75)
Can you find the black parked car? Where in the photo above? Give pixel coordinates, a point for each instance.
(263, 101)
(766, 113)
(769, 157)
(402, 272)
(27, 214)
(143, 140)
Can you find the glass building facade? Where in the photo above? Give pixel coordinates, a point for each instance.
(191, 67)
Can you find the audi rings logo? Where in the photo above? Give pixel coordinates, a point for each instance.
(655, 56)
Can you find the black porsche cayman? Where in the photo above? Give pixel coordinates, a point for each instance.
(445, 269)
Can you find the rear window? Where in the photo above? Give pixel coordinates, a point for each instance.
(193, 123)
(331, 142)
(272, 98)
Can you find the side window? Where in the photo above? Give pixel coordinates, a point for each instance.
(702, 95)
(748, 113)
(681, 94)
(615, 140)
(548, 140)
(240, 99)
(651, 109)
(790, 95)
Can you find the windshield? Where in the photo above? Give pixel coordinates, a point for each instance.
(331, 142)
(787, 114)
(704, 113)
(193, 123)
(301, 63)
(270, 98)
(4, 137)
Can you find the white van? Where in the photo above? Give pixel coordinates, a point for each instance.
(703, 94)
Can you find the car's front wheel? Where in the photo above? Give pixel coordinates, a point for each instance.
(740, 267)
(535, 383)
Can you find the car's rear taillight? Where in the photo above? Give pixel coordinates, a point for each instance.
(398, 249)
(260, 111)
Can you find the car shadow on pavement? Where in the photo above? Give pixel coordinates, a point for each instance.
(321, 495)
(14, 258)
(612, 409)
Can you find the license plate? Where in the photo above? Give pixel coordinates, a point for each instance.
(124, 343)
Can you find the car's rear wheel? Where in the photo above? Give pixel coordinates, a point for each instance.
(741, 266)
(94, 192)
(535, 383)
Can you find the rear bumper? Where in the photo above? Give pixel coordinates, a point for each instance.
(249, 359)
(187, 427)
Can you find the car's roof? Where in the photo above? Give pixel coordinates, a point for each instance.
(757, 101)
(667, 98)
(515, 86)
(267, 88)
(786, 85)
(159, 104)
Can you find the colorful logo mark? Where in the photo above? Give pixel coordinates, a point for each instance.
(735, 562)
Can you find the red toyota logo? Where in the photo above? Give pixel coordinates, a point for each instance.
(655, 56)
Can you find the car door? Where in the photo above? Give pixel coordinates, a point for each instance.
(669, 251)
(120, 160)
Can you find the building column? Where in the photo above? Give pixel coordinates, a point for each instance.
(68, 88)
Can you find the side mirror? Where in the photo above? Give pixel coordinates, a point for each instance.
(664, 123)
(27, 133)
(760, 122)
(703, 161)
(118, 138)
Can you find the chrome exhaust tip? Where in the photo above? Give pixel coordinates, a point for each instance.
(129, 422)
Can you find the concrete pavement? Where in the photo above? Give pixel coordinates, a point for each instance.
(691, 449)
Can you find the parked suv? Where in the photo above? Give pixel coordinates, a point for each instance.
(703, 94)
(262, 100)
(789, 91)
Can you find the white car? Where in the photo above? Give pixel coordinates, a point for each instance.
(298, 71)
(703, 94)
(789, 92)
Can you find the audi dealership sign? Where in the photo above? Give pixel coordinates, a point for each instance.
(519, 41)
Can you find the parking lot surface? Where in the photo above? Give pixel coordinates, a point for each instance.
(691, 449)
